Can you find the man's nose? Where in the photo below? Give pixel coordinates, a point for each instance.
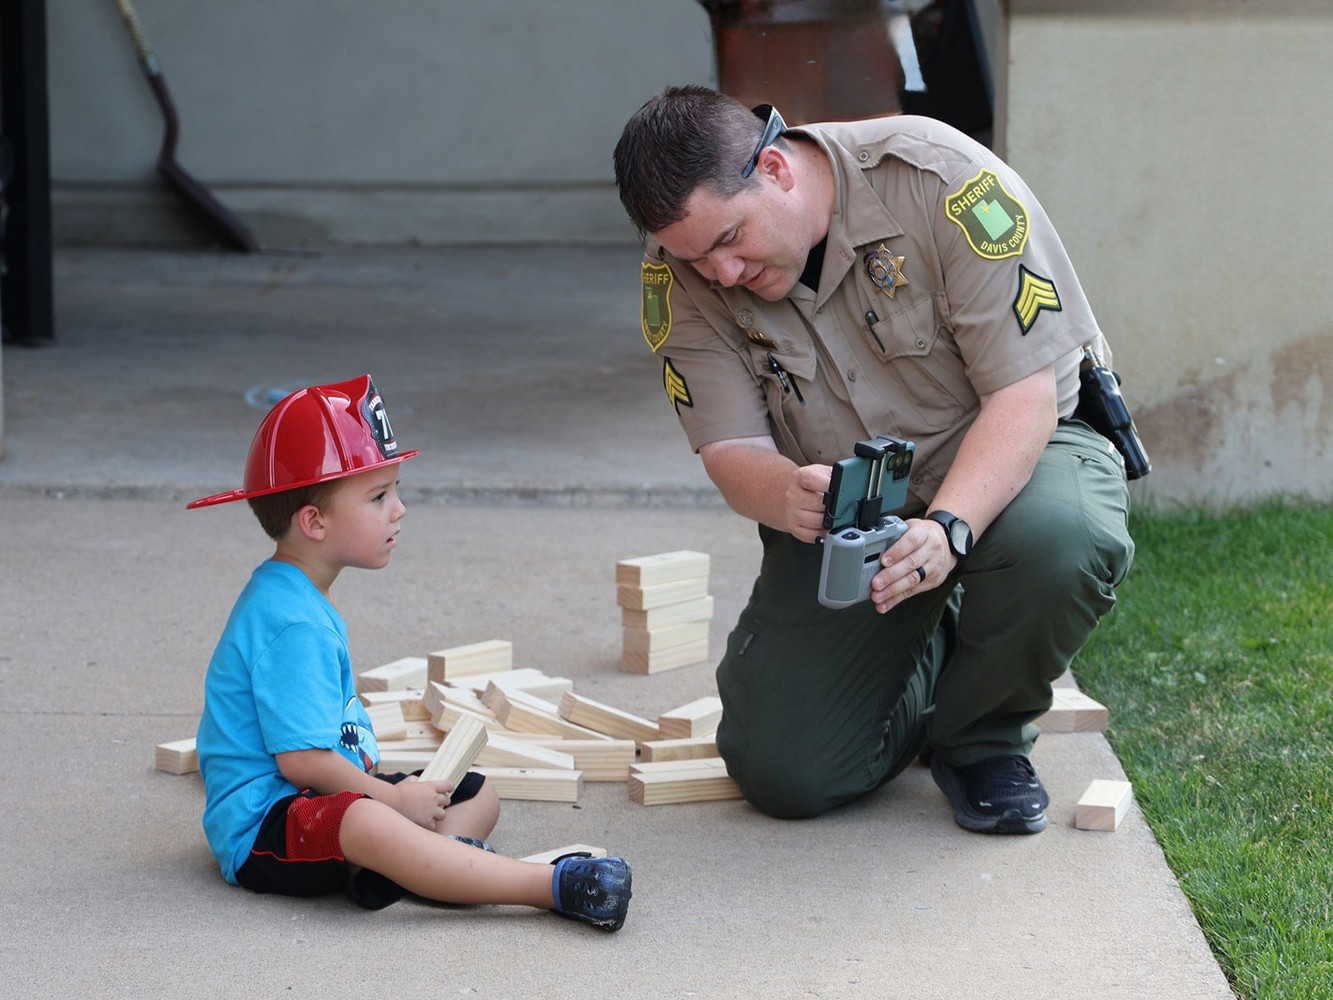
(728, 270)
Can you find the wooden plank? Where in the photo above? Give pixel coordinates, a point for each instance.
(408, 701)
(543, 687)
(428, 743)
(522, 713)
(473, 658)
(666, 659)
(692, 748)
(534, 784)
(409, 672)
(664, 567)
(1072, 711)
(546, 857)
(644, 598)
(457, 752)
(406, 761)
(600, 759)
(604, 719)
(699, 609)
(478, 683)
(505, 751)
(698, 718)
(176, 757)
(681, 781)
(387, 722)
(647, 641)
(1103, 805)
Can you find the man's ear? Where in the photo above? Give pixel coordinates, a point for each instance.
(310, 522)
(776, 165)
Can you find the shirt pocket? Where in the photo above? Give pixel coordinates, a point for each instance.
(787, 376)
(922, 359)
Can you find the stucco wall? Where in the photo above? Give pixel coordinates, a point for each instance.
(1182, 154)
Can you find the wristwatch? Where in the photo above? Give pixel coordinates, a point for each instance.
(958, 531)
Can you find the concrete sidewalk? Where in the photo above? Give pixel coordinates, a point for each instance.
(549, 453)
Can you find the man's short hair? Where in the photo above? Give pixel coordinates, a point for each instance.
(680, 139)
(275, 510)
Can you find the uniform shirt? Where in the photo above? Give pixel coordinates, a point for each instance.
(943, 280)
(280, 679)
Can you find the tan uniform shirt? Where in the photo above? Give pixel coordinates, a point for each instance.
(943, 280)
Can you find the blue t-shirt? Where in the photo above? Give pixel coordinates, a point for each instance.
(280, 680)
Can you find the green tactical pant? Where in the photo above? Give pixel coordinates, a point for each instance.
(821, 706)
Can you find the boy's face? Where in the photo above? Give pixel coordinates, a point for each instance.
(362, 518)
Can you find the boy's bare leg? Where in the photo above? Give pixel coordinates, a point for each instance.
(377, 837)
(476, 817)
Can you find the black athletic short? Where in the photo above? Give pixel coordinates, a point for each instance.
(297, 851)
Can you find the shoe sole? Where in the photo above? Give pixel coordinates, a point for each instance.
(1010, 822)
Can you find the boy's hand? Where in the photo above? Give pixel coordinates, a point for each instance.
(423, 802)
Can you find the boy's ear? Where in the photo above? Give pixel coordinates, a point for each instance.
(310, 522)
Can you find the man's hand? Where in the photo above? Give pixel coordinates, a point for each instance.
(761, 484)
(916, 562)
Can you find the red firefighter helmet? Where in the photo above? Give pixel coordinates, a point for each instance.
(319, 433)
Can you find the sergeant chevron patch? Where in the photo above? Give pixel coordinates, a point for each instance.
(676, 389)
(1035, 293)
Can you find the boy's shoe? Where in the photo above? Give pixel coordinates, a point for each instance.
(995, 795)
(594, 890)
(481, 845)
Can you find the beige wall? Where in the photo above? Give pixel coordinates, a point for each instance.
(1183, 154)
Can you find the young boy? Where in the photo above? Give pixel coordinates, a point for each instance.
(286, 749)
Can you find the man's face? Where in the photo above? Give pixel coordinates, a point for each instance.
(754, 239)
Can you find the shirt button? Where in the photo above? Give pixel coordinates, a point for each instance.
(851, 374)
(920, 343)
(863, 156)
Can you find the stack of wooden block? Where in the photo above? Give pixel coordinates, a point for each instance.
(665, 609)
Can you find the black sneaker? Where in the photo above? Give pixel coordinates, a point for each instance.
(480, 845)
(594, 890)
(995, 795)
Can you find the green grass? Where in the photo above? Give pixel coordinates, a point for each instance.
(1217, 665)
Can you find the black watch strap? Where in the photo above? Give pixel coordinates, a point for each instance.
(956, 530)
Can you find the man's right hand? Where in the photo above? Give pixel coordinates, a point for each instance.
(760, 483)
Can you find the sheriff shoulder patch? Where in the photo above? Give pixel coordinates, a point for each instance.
(994, 221)
(674, 383)
(1035, 293)
(656, 311)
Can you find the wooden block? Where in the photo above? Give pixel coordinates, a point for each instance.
(645, 598)
(176, 757)
(666, 659)
(692, 748)
(543, 687)
(605, 719)
(647, 641)
(474, 658)
(505, 751)
(699, 609)
(534, 784)
(448, 716)
(665, 567)
(479, 682)
(387, 722)
(1103, 805)
(522, 713)
(425, 742)
(409, 672)
(405, 761)
(698, 718)
(446, 703)
(1072, 711)
(546, 857)
(457, 752)
(408, 701)
(600, 759)
(681, 781)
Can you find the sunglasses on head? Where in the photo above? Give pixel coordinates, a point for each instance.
(774, 127)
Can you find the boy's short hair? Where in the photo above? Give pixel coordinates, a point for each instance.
(275, 510)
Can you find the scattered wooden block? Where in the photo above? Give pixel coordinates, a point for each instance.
(645, 598)
(1103, 805)
(647, 641)
(479, 682)
(408, 701)
(605, 719)
(429, 742)
(600, 759)
(176, 757)
(543, 687)
(505, 751)
(666, 659)
(474, 658)
(394, 760)
(698, 718)
(699, 609)
(534, 784)
(409, 672)
(523, 713)
(387, 722)
(665, 567)
(703, 780)
(457, 752)
(546, 857)
(692, 748)
(1072, 711)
